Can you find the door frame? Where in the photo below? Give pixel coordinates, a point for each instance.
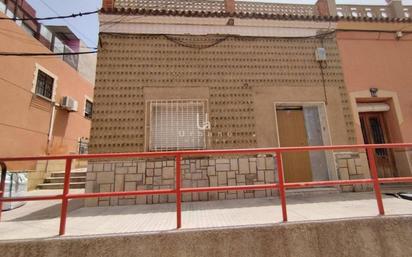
(403, 159)
(385, 131)
(323, 119)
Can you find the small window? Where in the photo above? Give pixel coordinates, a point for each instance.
(88, 110)
(44, 85)
(83, 145)
(177, 124)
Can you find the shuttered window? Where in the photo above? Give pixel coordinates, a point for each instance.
(174, 124)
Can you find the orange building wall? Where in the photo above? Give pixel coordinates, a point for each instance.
(25, 117)
(379, 60)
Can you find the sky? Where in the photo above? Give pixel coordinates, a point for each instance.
(87, 27)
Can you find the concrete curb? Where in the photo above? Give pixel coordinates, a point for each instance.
(376, 236)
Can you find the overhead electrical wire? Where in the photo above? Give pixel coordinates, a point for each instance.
(44, 54)
(74, 15)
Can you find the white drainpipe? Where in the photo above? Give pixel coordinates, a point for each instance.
(50, 133)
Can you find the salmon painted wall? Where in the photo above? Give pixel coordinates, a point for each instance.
(380, 60)
(25, 117)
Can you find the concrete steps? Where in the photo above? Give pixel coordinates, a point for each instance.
(60, 185)
(61, 179)
(56, 180)
(73, 174)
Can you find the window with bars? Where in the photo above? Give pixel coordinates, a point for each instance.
(177, 124)
(44, 85)
(88, 109)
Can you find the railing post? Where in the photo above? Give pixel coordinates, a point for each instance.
(66, 188)
(2, 185)
(178, 192)
(374, 174)
(281, 182)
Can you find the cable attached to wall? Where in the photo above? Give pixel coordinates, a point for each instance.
(175, 38)
(182, 43)
(218, 41)
(323, 65)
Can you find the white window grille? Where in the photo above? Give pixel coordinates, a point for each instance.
(177, 125)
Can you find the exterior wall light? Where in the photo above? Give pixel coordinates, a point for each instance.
(374, 91)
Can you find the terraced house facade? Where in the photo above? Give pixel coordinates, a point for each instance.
(184, 75)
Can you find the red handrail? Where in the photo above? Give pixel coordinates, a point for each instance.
(281, 185)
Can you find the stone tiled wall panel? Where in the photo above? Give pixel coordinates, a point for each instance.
(353, 165)
(108, 176)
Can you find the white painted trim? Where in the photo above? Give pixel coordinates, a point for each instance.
(372, 107)
(216, 26)
(34, 83)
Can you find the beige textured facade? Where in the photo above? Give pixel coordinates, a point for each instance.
(243, 79)
(255, 75)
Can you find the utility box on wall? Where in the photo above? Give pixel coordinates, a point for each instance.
(320, 54)
(70, 104)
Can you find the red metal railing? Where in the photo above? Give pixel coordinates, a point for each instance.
(178, 190)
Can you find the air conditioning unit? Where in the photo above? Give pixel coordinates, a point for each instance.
(69, 104)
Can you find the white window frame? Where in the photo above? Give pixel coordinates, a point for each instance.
(87, 98)
(174, 103)
(38, 68)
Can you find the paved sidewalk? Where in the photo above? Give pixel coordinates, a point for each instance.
(39, 222)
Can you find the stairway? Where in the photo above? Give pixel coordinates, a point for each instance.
(56, 180)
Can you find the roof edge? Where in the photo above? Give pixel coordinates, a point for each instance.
(252, 15)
